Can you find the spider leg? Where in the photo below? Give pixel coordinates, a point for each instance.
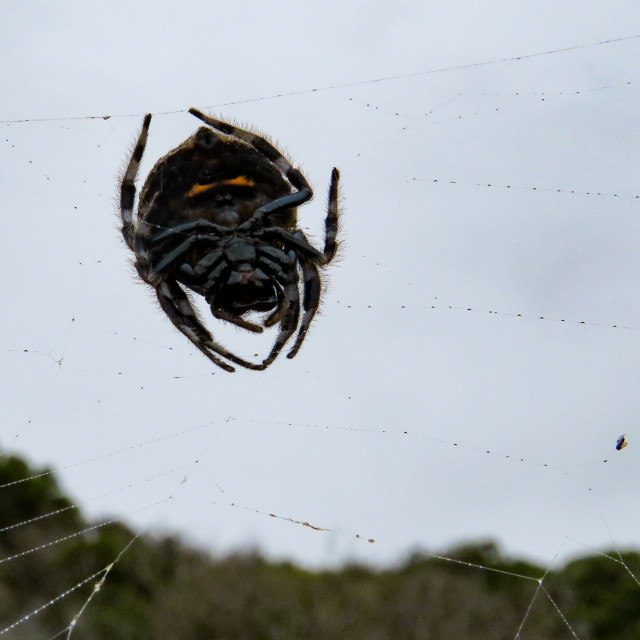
(128, 183)
(331, 221)
(311, 301)
(170, 258)
(186, 228)
(312, 284)
(298, 240)
(273, 261)
(308, 259)
(288, 324)
(239, 322)
(276, 316)
(285, 202)
(176, 305)
(288, 310)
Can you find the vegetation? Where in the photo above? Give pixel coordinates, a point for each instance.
(161, 588)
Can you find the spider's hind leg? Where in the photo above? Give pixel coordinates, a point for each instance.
(176, 305)
(128, 183)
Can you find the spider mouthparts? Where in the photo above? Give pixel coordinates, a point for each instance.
(245, 274)
(242, 277)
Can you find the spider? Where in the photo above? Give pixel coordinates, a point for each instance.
(217, 217)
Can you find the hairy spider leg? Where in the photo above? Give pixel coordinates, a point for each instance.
(332, 220)
(312, 283)
(284, 202)
(331, 223)
(239, 322)
(288, 324)
(183, 248)
(175, 303)
(311, 302)
(273, 261)
(290, 317)
(185, 228)
(276, 316)
(128, 183)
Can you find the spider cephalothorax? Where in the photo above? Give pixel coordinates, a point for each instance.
(217, 216)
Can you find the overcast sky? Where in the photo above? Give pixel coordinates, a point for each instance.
(415, 426)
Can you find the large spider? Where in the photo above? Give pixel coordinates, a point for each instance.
(217, 216)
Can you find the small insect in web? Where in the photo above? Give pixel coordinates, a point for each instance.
(622, 442)
(217, 216)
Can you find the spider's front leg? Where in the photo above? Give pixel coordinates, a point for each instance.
(285, 202)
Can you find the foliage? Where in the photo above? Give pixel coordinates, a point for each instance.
(161, 588)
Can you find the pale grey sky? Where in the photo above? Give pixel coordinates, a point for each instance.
(321, 438)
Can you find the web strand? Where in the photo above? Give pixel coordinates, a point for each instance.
(345, 85)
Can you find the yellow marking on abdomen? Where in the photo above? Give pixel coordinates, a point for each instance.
(242, 181)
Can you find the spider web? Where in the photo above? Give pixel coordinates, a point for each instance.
(473, 366)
